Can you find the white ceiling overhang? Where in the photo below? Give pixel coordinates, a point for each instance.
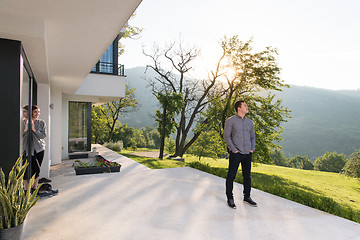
(64, 39)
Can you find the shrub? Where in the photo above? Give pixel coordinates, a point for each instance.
(302, 162)
(352, 167)
(170, 145)
(115, 146)
(330, 162)
(208, 144)
(278, 158)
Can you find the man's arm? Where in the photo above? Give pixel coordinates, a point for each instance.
(227, 136)
(252, 138)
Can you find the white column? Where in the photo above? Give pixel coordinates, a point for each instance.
(43, 101)
(65, 127)
(56, 127)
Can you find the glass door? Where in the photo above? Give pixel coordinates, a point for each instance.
(25, 83)
(79, 127)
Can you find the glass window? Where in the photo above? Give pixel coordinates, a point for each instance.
(78, 126)
(24, 101)
(107, 60)
(108, 55)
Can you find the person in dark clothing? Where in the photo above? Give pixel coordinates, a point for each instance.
(37, 146)
(239, 135)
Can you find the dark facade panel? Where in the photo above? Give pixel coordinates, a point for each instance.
(10, 68)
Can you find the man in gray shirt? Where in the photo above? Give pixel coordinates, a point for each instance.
(239, 135)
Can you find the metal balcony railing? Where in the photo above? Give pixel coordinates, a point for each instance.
(108, 68)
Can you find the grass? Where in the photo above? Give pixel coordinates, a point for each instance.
(330, 192)
(342, 189)
(155, 163)
(139, 150)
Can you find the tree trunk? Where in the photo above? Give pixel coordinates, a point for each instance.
(162, 139)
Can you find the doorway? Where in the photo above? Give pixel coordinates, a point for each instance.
(79, 127)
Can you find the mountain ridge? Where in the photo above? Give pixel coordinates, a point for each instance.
(321, 120)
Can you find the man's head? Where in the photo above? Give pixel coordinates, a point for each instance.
(241, 107)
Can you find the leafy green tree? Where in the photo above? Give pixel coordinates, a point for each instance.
(147, 133)
(252, 75)
(210, 101)
(171, 103)
(209, 144)
(110, 112)
(139, 138)
(98, 126)
(330, 162)
(278, 158)
(155, 136)
(170, 145)
(302, 162)
(306, 163)
(131, 32)
(352, 166)
(127, 135)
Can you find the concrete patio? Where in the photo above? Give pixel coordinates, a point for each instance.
(182, 203)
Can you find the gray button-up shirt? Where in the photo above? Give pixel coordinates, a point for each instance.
(38, 142)
(239, 134)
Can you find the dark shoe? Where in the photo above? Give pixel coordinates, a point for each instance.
(44, 180)
(250, 201)
(45, 187)
(231, 203)
(54, 191)
(45, 194)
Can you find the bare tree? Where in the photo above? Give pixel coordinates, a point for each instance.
(173, 65)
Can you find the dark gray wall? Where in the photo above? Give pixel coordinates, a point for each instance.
(10, 52)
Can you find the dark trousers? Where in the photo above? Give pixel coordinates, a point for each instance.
(234, 160)
(36, 161)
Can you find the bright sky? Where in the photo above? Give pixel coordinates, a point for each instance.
(318, 40)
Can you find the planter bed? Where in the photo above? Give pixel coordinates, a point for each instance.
(115, 168)
(89, 170)
(101, 165)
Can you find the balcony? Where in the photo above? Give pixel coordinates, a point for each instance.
(108, 68)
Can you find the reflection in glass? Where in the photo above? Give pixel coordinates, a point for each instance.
(78, 127)
(106, 61)
(24, 101)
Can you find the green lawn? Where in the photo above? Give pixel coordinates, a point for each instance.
(331, 192)
(344, 190)
(155, 163)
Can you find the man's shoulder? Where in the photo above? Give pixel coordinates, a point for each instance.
(232, 118)
(249, 120)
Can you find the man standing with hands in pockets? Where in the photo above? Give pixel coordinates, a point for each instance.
(239, 135)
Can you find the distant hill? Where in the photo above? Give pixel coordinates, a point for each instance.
(144, 116)
(322, 120)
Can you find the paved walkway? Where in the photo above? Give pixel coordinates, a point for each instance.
(183, 203)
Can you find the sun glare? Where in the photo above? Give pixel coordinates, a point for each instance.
(228, 73)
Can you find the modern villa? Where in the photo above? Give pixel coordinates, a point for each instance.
(63, 57)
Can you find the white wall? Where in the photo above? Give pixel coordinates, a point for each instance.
(43, 101)
(56, 127)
